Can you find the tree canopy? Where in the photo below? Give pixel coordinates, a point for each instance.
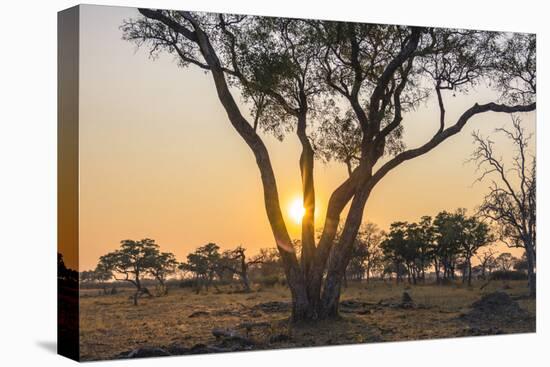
(344, 89)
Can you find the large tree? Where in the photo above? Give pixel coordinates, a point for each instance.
(293, 72)
(511, 201)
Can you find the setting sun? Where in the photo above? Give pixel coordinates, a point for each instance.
(296, 210)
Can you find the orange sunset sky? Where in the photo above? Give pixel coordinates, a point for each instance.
(159, 158)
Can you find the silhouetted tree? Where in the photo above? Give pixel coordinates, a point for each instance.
(505, 261)
(511, 201)
(366, 254)
(393, 246)
(422, 236)
(132, 260)
(487, 262)
(98, 276)
(203, 264)
(87, 276)
(270, 266)
(289, 70)
(409, 245)
(236, 262)
(448, 234)
(476, 234)
(161, 267)
(522, 264)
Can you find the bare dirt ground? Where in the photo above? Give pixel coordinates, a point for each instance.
(226, 320)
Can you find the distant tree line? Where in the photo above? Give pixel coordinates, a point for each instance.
(444, 245)
(137, 261)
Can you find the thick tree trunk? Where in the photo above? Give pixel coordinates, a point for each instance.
(293, 272)
(340, 254)
(336, 204)
(308, 189)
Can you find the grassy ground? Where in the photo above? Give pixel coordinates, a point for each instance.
(111, 325)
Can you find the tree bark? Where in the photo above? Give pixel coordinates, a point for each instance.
(308, 189)
(340, 254)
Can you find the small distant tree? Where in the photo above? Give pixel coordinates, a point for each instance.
(458, 238)
(487, 262)
(505, 261)
(409, 246)
(448, 237)
(203, 264)
(421, 235)
(132, 260)
(102, 276)
(357, 265)
(476, 234)
(371, 236)
(87, 276)
(270, 266)
(161, 267)
(98, 277)
(522, 264)
(197, 266)
(392, 247)
(237, 263)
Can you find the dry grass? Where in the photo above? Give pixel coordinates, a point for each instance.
(110, 324)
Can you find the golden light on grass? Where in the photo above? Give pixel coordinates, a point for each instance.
(296, 210)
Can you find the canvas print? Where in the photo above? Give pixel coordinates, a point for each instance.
(234, 182)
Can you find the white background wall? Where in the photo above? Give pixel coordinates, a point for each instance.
(28, 181)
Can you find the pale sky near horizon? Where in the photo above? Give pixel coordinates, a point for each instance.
(159, 158)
